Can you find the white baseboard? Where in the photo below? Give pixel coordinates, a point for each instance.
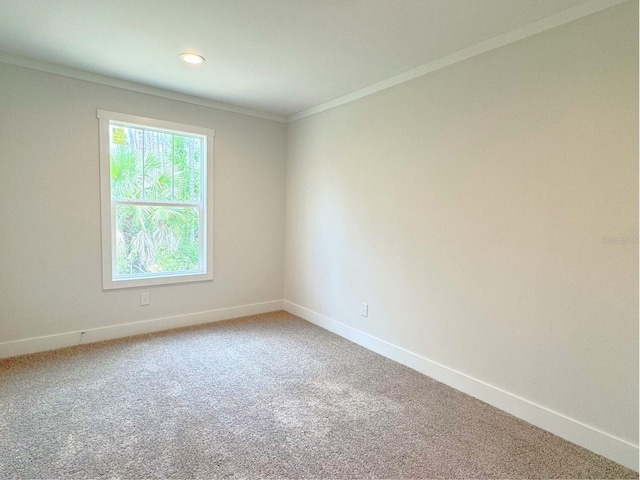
(51, 342)
(591, 438)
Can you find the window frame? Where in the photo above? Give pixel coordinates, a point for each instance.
(107, 203)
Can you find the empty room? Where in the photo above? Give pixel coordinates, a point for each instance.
(319, 239)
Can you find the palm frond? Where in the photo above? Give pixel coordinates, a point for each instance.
(145, 248)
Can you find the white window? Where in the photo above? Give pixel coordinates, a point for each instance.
(155, 180)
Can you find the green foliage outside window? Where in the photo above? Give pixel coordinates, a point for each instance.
(155, 184)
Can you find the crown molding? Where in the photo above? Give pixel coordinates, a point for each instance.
(133, 86)
(547, 23)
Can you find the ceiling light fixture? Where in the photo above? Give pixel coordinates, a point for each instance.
(192, 58)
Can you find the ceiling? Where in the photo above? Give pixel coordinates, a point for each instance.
(276, 56)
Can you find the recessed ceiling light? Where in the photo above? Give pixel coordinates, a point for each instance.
(192, 58)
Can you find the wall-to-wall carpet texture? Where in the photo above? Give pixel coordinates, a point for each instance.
(263, 396)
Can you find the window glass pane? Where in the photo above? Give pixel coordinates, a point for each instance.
(154, 165)
(155, 240)
(188, 158)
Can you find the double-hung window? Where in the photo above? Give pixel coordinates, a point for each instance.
(156, 191)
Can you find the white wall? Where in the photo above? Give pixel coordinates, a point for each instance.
(50, 269)
(467, 208)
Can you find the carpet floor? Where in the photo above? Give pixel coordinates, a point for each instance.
(267, 396)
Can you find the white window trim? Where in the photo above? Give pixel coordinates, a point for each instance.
(107, 210)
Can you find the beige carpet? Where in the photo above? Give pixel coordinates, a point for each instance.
(264, 396)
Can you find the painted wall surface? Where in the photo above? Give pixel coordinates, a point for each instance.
(488, 214)
(50, 264)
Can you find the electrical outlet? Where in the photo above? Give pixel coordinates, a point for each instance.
(364, 310)
(144, 299)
